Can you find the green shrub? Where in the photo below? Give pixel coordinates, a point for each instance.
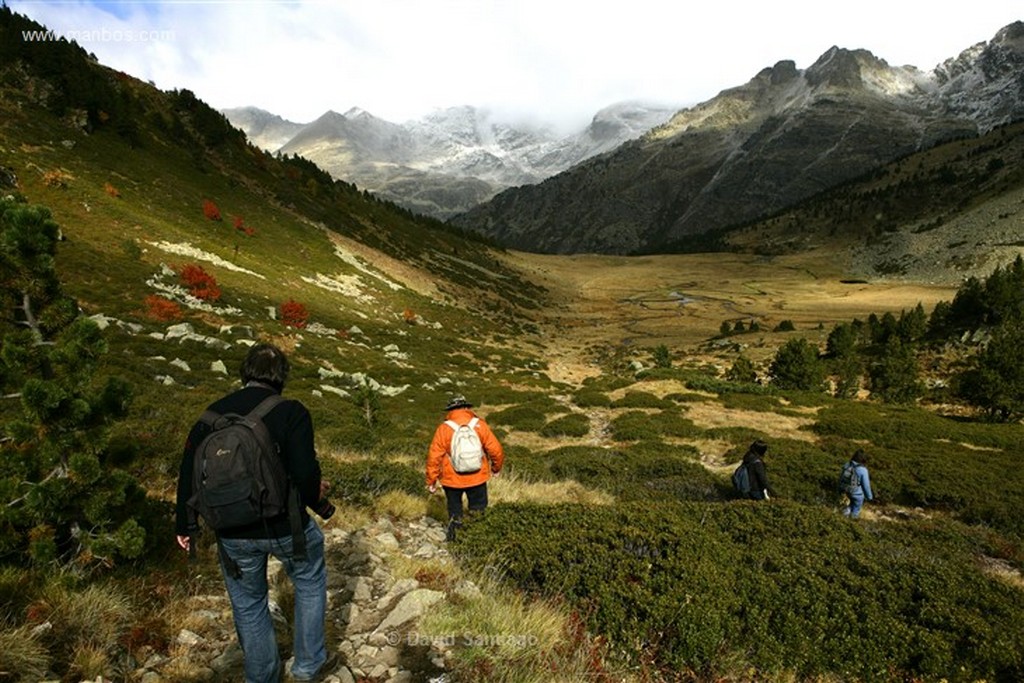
(606, 382)
(662, 357)
(527, 418)
(640, 399)
(722, 387)
(644, 471)
(758, 402)
(574, 424)
(926, 460)
(686, 397)
(780, 588)
(636, 425)
(742, 371)
(362, 482)
(591, 398)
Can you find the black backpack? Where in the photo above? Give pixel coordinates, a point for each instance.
(238, 476)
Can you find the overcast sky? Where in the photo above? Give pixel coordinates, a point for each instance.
(555, 61)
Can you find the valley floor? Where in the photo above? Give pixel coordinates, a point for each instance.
(682, 300)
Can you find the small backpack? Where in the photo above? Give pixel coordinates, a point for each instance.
(741, 479)
(239, 477)
(466, 453)
(849, 482)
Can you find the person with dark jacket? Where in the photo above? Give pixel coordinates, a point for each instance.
(753, 459)
(244, 550)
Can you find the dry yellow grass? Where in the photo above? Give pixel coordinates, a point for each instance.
(522, 639)
(682, 300)
(510, 488)
(710, 415)
(401, 505)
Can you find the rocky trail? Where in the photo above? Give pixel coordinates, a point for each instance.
(371, 612)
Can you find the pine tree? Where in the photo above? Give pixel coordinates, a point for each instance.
(742, 371)
(842, 341)
(59, 500)
(796, 366)
(895, 378)
(995, 380)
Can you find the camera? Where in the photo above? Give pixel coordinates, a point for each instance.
(324, 509)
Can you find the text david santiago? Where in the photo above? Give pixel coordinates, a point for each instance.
(463, 639)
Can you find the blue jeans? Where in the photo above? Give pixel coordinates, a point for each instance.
(249, 604)
(856, 503)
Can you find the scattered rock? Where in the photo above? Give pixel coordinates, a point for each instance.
(370, 607)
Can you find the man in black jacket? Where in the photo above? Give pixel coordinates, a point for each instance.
(244, 550)
(753, 459)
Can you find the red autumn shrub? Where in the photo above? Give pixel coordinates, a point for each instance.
(210, 210)
(200, 284)
(294, 314)
(242, 227)
(159, 308)
(111, 190)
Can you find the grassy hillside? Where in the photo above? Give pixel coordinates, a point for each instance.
(615, 506)
(372, 277)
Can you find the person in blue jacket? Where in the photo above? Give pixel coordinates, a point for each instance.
(855, 482)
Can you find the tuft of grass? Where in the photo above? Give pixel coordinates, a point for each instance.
(95, 616)
(22, 652)
(502, 635)
(90, 662)
(511, 487)
(402, 505)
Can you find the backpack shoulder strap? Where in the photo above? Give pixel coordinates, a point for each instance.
(209, 417)
(473, 422)
(453, 424)
(265, 406)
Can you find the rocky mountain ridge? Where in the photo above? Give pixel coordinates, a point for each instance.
(448, 161)
(756, 149)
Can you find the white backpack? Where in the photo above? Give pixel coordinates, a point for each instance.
(466, 453)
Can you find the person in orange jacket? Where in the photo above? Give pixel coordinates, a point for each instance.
(440, 469)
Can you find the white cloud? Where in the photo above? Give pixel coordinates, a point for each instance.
(554, 60)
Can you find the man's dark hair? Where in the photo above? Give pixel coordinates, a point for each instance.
(860, 457)
(267, 364)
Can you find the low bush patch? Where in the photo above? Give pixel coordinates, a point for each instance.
(574, 424)
(779, 588)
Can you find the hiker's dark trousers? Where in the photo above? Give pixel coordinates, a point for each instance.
(476, 495)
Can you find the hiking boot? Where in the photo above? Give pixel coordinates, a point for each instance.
(453, 525)
(326, 669)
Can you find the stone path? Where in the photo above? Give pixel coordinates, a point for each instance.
(371, 612)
